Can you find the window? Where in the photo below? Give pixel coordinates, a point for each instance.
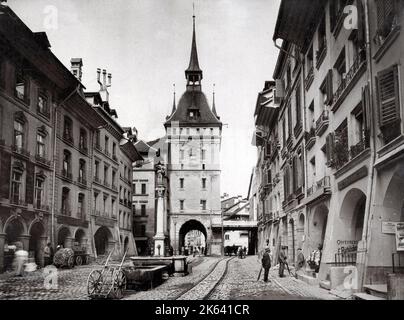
(203, 166)
(113, 201)
(95, 202)
(289, 121)
(105, 174)
(387, 11)
(114, 150)
(181, 183)
(68, 129)
(322, 39)
(336, 10)
(340, 67)
(39, 192)
(389, 104)
(19, 134)
(181, 205)
(298, 105)
(288, 77)
(66, 170)
(203, 154)
(65, 210)
(226, 237)
(113, 179)
(97, 171)
(143, 230)
(211, 131)
(143, 210)
(203, 204)
(105, 204)
(309, 59)
(83, 140)
(82, 171)
(40, 145)
(97, 140)
(42, 104)
(106, 145)
(80, 206)
(16, 186)
(134, 188)
(21, 84)
(143, 188)
(284, 131)
(203, 183)
(326, 91)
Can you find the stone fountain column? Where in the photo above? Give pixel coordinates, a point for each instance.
(159, 248)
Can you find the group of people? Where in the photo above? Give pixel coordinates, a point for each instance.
(267, 260)
(242, 252)
(19, 260)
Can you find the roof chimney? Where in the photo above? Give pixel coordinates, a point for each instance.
(76, 67)
(99, 77)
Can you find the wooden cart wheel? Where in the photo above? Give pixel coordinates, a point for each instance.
(119, 285)
(70, 262)
(94, 282)
(79, 261)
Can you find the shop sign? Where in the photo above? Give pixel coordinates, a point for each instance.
(400, 236)
(389, 227)
(345, 246)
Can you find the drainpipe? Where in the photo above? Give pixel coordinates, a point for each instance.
(54, 166)
(371, 179)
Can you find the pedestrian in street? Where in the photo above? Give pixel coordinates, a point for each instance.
(282, 259)
(266, 263)
(301, 261)
(244, 252)
(21, 258)
(47, 254)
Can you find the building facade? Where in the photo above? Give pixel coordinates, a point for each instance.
(337, 108)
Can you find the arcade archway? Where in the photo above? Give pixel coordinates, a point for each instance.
(101, 239)
(63, 235)
(192, 234)
(318, 227)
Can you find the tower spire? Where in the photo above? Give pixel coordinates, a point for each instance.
(213, 103)
(194, 73)
(174, 108)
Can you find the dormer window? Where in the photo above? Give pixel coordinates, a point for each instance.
(193, 114)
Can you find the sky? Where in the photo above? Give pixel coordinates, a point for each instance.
(146, 45)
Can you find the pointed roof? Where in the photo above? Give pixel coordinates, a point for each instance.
(173, 110)
(193, 61)
(213, 103)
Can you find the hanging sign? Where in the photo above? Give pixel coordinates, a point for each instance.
(400, 236)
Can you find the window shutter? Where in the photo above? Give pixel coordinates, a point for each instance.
(330, 90)
(380, 13)
(361, 23)
(5, 167)
(388, 96)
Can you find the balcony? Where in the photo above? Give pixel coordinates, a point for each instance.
(82, 181)
(319, 188)
(42, 207)
(298, 129)
(309, 79)
(284, 153)
(45, 113)
(299, 192)
(276, 179)
(357, 149)
(83, 149)
(349, 80)
(68, 138)
(98, 147)
(67, 175)
(20, 151)
(322, 123)
(67, 219)
(310, 138)
(18, 202)
(42, 160)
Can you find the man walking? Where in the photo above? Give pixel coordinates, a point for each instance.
(266, 263)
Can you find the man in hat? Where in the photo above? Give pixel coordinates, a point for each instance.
(282, 259)
(266, 262)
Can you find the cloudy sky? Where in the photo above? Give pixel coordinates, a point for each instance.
(145, 44)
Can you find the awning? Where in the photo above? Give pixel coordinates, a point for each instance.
(258, 139)
(296, 20)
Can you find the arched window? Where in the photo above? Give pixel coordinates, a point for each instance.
(39, 191)
(17, 183)
(41, 144)
(19, 133)
(80, 206)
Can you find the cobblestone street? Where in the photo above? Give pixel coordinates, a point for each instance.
(208, 280)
